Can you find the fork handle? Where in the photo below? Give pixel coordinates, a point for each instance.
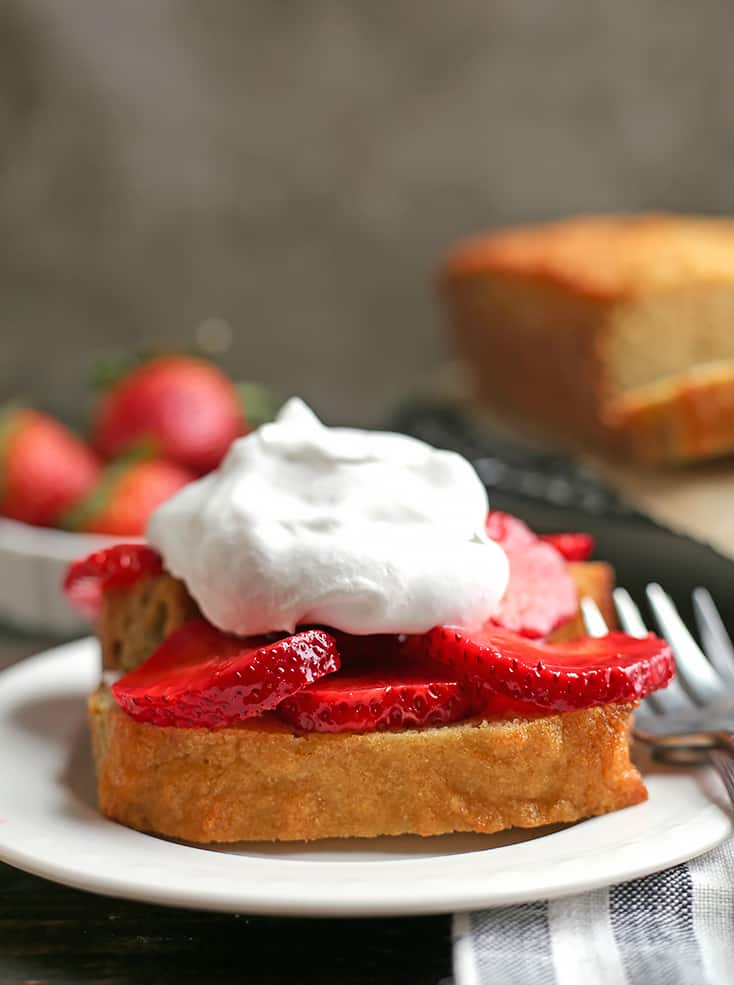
(721, 757)
(723, 762)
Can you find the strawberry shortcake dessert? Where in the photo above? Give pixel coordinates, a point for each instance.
(333, 636)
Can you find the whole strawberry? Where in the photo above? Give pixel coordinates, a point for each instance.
(183, 408)
(125, 496)
(44, 469)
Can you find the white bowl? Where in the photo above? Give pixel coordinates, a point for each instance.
(33, 561)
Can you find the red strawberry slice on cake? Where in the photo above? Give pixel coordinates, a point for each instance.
(383, 698)
(586, 672)
(88, 578)
(540, 594)
(378, 689)
(200, 677)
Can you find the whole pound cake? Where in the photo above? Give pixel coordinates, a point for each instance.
(609, 331)
(315, 731)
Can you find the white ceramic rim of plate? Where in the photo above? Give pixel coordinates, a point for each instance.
(48, 831)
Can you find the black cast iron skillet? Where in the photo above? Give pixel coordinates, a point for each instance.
(552, 494)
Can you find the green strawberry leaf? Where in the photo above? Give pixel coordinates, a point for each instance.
(109, 369)
(258, 402)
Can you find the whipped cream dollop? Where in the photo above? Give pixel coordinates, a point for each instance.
(365, 531)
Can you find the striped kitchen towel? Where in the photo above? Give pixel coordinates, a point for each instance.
(672, 928)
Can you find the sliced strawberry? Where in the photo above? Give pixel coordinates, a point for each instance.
(540, 594)
(200, 677)
(379, 695)
(586, 672)
(508, 530)
(491, 704)
(363, 651)
(571, 546)
(87, 579)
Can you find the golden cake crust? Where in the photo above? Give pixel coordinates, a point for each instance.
(679, 418)
(606, 256)
(584, 331)
(261, 782)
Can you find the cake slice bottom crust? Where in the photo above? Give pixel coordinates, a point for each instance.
(261, 782)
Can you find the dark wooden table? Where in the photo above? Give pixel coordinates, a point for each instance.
(51, 934)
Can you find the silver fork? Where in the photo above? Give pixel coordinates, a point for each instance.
(692, 720)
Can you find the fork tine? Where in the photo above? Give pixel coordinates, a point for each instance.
(673, 698)
(594, 621)
(694, 670)
(688, 656)
(716, 641)
(629, 614)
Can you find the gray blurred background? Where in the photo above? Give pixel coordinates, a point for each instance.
(297, 168)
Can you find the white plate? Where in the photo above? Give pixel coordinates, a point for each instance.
(49, 826)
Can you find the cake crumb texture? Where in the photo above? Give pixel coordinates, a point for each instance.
(261, 782)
